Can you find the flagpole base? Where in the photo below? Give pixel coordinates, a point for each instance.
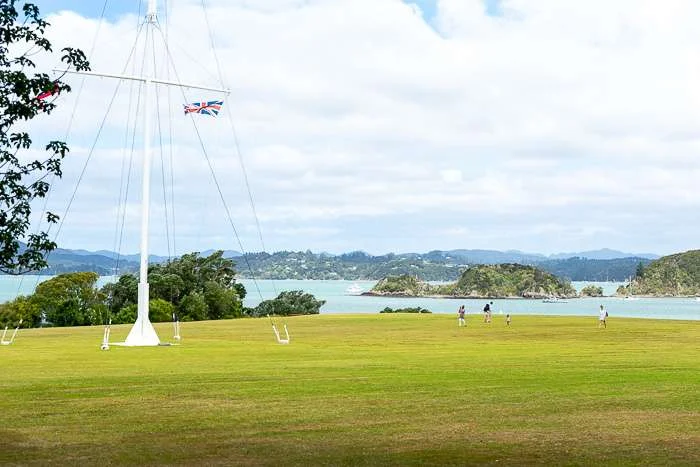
(142, 334)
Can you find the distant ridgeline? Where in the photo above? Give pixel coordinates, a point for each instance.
(483, 281)
(673, 275)
(432, 266)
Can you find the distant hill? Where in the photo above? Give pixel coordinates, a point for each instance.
(436, 265)
(604, 253)
(515, 256)
(672, 275)
(583, 269)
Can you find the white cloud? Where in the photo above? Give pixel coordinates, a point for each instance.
(358, 120)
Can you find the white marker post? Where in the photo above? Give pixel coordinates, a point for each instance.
(277, 334)
(176, 325)
(105, 336)
(14, 334)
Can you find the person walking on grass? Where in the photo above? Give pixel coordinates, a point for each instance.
(487, 313)
(508, 319)
(461, 316)
(602, 316)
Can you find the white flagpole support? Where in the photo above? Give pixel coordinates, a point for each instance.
(277, 334)
(14, 334)
(176, 324)
(105, 336)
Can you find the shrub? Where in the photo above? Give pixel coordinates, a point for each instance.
(405, 310)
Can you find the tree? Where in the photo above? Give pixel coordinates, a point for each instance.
(193, 307)
(294, 302)
(22, 308)
(639, 273)
(22, 180)
(159, 311)
(592, 291)
(221, 303)
(122, 293)
(70, 300)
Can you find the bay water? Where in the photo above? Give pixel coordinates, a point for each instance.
(341, 298)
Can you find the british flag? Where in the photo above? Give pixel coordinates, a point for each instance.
(207, 108)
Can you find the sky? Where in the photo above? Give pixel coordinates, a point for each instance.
(388, 126)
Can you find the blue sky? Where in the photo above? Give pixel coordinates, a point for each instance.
(363, 127)
(114, 9)
(429, 7)
(92, 8)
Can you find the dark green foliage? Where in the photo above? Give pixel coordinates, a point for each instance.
(403, 285)
(511, 280)
(639, 273)
(295, 302)
(193, 307)
(672, 275)
(199, 287)
(499, 280)
(21, 308)
(222, 303)
(194, 288)
(25, 179)
(159, 311)
(405, 310)
(122, 293)
(592, 291)
(70, 300)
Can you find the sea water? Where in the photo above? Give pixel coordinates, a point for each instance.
(340, 300)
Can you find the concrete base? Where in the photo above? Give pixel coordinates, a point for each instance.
(142, 334)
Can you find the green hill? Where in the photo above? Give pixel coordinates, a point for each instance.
(673, 275)
(482, 281)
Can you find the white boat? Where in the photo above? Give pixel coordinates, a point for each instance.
(630, 298)
(354, 289)
(553, 300)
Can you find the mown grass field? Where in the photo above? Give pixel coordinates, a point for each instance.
(358, 390)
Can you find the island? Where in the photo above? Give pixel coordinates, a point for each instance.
(676, 275)
(481, 281)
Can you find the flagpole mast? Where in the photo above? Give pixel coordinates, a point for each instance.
(143, 333)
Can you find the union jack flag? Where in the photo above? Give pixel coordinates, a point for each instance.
(207, 108)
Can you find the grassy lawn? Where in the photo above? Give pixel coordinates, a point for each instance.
(358, 390)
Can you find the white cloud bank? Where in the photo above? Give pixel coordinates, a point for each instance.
(561, 125)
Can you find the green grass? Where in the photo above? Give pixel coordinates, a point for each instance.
(358, 390)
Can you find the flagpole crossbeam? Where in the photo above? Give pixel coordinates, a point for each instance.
(144, 79)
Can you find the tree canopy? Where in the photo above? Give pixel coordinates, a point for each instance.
(23, 96)
(294, 302)
(198, 287)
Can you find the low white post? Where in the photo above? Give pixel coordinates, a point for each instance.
(16, 329)
(105, 336)
(176, 323)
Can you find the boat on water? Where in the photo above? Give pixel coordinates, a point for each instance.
(553, 300)
(354, 289)
(630, 298)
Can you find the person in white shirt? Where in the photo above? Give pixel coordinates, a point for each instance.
(602, 317)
